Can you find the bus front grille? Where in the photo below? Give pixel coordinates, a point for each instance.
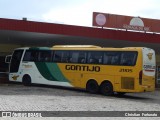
(127, 83)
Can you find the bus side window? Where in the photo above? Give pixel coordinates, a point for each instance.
(82, 57)
(44, 56)
(34, 56)
(95, 57)
(27, 56)
(62, 56)
(112, 58)
(74, 57)
(66, 57)
(81, 60)
(30, 55)
(106, 59)
(115, 60)
(128, 58)
(57, 56)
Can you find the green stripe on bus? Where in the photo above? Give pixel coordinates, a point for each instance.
(56, 72)
(50, 71)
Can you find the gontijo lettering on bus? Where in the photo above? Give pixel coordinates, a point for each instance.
(83, 68)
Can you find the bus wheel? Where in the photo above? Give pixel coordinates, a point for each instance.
(26, 80)
(92, 86)
(106, 88)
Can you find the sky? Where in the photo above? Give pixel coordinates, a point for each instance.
(76, 12)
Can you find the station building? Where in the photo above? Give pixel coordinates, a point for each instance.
(21, 33)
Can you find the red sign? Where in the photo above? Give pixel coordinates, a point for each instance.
(125, 22)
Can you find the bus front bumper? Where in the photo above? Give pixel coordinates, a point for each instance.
(147, 88)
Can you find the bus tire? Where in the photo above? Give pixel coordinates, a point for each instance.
(92, 86)
(26, 80)
(106, 88)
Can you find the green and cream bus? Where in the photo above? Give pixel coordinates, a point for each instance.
(94, 68)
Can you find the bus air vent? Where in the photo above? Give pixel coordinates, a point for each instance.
(127, 83)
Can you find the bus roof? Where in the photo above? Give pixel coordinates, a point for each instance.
(76, 46)
(92, 47)
(82, 47)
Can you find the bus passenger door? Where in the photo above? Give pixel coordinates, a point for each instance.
(15, 63)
